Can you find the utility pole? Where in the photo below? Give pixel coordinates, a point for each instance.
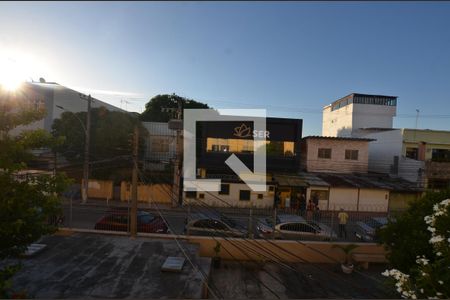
(177, 167)
(134, 184)
(84, 193)
(417, 123)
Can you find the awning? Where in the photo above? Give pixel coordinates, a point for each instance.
(291, 181)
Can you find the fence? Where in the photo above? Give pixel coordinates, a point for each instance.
(292, 224)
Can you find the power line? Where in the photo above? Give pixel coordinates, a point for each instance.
(293, 254)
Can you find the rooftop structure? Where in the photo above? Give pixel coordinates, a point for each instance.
(345, 116)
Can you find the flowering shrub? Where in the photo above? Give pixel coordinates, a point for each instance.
(429, 277)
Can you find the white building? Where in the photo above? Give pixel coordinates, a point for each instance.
(52, 97)
(160, 145)
(344, 117)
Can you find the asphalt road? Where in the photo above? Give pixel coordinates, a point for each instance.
(85, 217)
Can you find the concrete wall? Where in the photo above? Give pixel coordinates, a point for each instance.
(346, 198)
(232, 200)
(285, 251)
(373, 200)
(101, 189)
(387, 144)
(337, 122)
(363, 200)
(346, 120)
(372, 116)
(149, 193)
(337, 163)
(399, 201)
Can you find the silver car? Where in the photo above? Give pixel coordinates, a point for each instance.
(293, 227)
(366, 231)
(213, 225)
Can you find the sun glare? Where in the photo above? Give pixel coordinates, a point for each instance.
(14, 70)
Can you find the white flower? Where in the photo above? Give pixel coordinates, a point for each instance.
(439, 253)
(436, 239)
(421, 290)
(385, 273)
(438, 294)
(441, 282)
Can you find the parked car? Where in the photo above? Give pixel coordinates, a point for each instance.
(293, 227)
(366, 231)
(213, 225)
(118, 221)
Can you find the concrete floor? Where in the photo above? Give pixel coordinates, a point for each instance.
(105, 266)
(247, 280)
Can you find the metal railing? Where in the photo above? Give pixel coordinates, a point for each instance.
(360, 226)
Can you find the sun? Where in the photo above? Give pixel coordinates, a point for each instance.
(11, 74)
(15, 68)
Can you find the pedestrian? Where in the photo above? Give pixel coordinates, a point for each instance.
(343, 218)
(315, 199)
(302, 204)
(316, 215)
(276, 200)
(309, 210)
(287, 202)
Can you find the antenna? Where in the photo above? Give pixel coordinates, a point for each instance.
(126, 103)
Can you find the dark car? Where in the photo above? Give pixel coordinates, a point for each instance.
(367, 230)
(213, 225)
(118, 221)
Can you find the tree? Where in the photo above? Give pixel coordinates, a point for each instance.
(154, 108)
(26, 203)
(418, 245)
(111, 137)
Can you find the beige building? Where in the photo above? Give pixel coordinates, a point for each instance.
(335, 154)
(233, 194)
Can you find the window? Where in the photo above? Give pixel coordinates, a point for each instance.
(440, 155)
(412, 152)
(201, 224)
(351, 154)
(323, 195)
(191, 194)
(298, 227)
(146, 219)
(271, 188)
(260, 196)
(201, 196)
(217, 225)
(244, 195)
(159, 144)
(324, 153)
(224, 189)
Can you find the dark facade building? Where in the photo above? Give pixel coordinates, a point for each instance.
(217, 140)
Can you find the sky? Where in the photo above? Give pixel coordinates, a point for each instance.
(291, 58)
